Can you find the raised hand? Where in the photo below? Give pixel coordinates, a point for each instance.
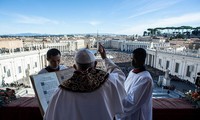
(102, 51)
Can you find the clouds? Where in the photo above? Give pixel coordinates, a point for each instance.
(180, 20)
(113, 16)
(94, 23)
(130, 9)
(34, 20)
(28, 19)
(19, 23)
(152, 6)
(185, 19)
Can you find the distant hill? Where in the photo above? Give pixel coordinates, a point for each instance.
(26, 34)
(39, 34)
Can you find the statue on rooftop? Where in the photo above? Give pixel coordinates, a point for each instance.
(167, 74)
(166, 79)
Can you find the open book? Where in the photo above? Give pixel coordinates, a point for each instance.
(45, 84)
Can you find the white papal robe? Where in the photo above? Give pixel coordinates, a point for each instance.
(138, 102)
(101, 104)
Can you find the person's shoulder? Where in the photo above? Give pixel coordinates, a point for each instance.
(43, 70)
(146, 75)
(130, 72)
(112, 78)
(62, 67)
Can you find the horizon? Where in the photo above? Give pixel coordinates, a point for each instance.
(126, 17)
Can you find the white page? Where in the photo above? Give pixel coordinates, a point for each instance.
(65, 74)
(44, 86)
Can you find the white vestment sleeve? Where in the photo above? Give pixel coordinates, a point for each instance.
(112, 68)
(118, 77)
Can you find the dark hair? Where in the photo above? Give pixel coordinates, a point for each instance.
(53, 52)
(140, 55)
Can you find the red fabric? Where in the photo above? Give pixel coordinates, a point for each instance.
(174, 109)
(163, 109)
(171, 103)
(24, 102)
(136, 70)
(25, 108)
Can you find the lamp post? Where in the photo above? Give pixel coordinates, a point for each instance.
(197, 82)
(27, 75)
(3, 81)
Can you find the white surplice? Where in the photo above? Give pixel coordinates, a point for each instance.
(101, 104)
(43, 70)
(138, 102)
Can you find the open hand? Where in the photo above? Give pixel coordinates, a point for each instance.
(102, 51)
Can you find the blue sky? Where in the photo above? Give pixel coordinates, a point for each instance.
(89, 16)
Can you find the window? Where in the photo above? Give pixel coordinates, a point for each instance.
(167, 64)
(177, 67)
(19, 69)
(188, 73)
(191, 68)
(28, 66)
(35, 64)
(150, 59)
(4, 69)
(160, 62)
(8, 73)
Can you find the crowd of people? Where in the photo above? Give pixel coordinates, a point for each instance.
(122, 59)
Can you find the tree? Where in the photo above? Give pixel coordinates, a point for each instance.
(150, 30)
(133, 38)
(145, 33)
(88, 35)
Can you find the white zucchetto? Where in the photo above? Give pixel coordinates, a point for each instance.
(84, 56)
